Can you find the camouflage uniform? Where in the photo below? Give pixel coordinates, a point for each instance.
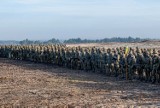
(156, 67)
(147, 66)
(104, 62)
(68, 58)
(140, 64)
(109, 62)
(115, 59)
(131, 60)
(93, 60)
(122, 64)
(87, 61)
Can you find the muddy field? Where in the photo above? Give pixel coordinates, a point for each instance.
(25, 84)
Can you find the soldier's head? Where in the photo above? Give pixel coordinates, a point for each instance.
(120, 48)
(138, 51)
(109, 50)
(103, 49)
(155, 52)
(130, 53)
(145, 53)
(114, 51)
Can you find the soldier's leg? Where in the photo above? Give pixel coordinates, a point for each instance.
(100, 67)
(146, 74)
(124, 72)
(139, 73)
(72, 64)
(158, 76)
(88, 66)
(107, 69)
(142, 74)
(85, 65)
(110, 69)
(81, 64)
(153, 76)
(104, 68)
(115, 70)
(78, 65)
(131, 73)
(93, 66)
(121, 71)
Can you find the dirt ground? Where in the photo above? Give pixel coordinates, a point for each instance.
(25, 84)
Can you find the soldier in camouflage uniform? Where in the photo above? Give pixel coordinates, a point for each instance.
(99, 60)
(147, 66)
(93, 59)
(131, 60)
(104, 62)
(87, 60)
(68, 58)
(115, 59)
(140, 64)
(122, 64)
(156, 65)
(73, 61)
(109, 62)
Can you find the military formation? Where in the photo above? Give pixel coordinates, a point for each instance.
(125, 63)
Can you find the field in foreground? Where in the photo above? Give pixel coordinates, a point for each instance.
(25, 84)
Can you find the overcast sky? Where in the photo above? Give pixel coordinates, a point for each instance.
(91, 19)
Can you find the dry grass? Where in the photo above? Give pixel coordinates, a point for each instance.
(147, 44)
(25, 84)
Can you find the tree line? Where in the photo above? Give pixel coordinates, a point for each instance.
(114, 39)
(74, 41)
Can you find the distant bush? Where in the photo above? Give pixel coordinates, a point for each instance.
(114, 39)
(74, 40)
(28, 42)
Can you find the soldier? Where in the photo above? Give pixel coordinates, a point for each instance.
(115, 60)
(37, 53)
(87, 60)
(73, 63)
(139, 64)
(100, 61)
(109, 62)
(93, 59)
(68, 58)
(147, 66)
(57, 57)
(131, 60)
(41, 54)
(104, 62)
(122, 64)
(79, 62)
(63, 56)
(156, 65)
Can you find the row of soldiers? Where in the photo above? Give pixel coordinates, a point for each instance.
(128, 63)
